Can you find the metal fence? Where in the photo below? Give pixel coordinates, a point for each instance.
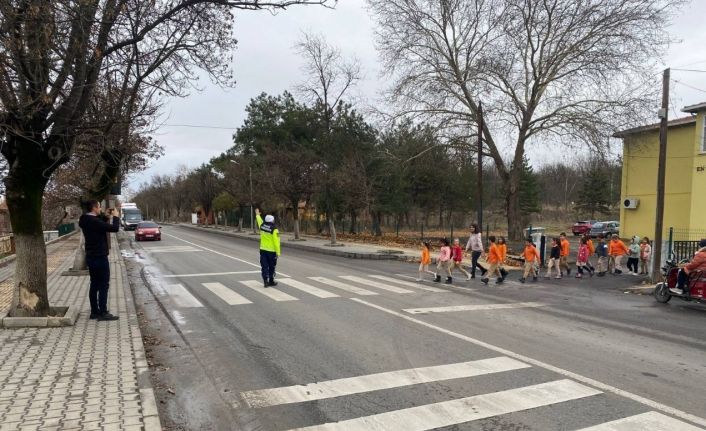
(683, 243)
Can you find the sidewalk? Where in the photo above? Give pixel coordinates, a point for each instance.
(91, 376)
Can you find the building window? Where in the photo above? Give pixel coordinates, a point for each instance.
(703, 136)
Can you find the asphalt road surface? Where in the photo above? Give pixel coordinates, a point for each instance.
(357, 345)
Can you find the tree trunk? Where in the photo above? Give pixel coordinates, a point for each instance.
(24, 200)
(376, 223)
(514, 214)
(296, 221)
(80, 255)
(332, 230)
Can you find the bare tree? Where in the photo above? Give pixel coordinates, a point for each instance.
(552, 72)
(52, 55)
(328, 75)
(328, 78)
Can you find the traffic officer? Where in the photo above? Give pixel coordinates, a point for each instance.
(269, 247)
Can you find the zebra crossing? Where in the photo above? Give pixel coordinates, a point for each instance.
(319, 287)
(454, 411)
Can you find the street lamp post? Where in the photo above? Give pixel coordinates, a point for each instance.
(252, 217)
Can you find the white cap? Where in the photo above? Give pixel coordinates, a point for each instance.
(269, 218)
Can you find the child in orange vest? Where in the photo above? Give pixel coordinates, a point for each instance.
(565, 248)
(531, 255)
(617, 249)
(502, 246)
(425, 260)
(591, 251)
(494, 256)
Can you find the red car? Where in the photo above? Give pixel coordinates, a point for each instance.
(148, 230)
(582, 227)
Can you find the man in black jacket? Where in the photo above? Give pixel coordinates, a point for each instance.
(95, 231)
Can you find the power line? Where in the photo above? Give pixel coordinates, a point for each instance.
(691, 70)
(200, 126)
(688, 85)
(691, 64)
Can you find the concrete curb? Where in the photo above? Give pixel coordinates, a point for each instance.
(295, 245)
(68, 319)
(9, 259)
(148, 401)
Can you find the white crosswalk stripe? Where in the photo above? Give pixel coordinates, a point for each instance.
(376, 284)
(227, 295)
(410, 284)
(270, 292)
(320, 293)
(343, 286)
(473, 307)
(650, 421)
(378, 381)
(181, 296)
(463, 410)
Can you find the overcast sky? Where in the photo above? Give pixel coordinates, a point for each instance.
(266, 62)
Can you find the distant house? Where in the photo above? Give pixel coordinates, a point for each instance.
(685, 188)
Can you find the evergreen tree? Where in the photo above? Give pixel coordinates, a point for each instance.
(594, 197)
(529, 190)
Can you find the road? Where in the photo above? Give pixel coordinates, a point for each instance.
(352, 345)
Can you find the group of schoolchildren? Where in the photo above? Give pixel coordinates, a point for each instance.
(610, 255)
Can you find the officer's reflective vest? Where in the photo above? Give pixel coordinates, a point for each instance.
(269, 236)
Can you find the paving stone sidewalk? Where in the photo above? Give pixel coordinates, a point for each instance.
(91, 376)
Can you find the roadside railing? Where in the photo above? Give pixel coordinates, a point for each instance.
(7, 241)
(684, 243)
(7, 245)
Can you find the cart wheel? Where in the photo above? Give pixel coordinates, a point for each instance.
(662, 294)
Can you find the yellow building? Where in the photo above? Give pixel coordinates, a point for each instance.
(685, 188)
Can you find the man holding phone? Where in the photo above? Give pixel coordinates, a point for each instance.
(95, 231)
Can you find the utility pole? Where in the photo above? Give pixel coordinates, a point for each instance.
(252, 217)
(661, 174)
(479, 182)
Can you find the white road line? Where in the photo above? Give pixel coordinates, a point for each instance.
(447, 413)
(209, 274)
(308, 288)
(651, 421)
(343, 286)
(378, 381)
(376, 284)
(446, 286)
(174, 250)
(407, 283)
(230, 297)
(473, 307)
(583, 379)
(221, 254)
(182, 297)
(270, 292)
(168, 247)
